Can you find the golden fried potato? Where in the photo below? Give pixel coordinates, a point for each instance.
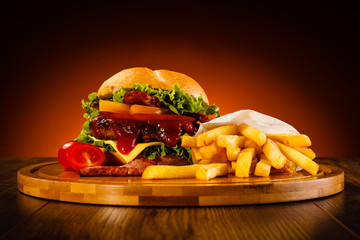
(230, 140)
(209, 171)
(273, 154)
(188, 141)
(233, 166)
(195, 155)
(232, 152)
(166, 171)
(252, 133)
(205, 161)
(299, 159)
(291, 140)
(263, 167)
(210, 136)
(253, 165)
(251, 144)
(307, 152)
(210, 151)
(289, 167)
(243, 162)
(220, 157)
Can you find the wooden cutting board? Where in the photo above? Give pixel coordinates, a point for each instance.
(51, 181)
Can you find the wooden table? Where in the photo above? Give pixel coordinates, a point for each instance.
(25, 217)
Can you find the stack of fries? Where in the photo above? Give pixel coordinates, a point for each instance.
(240, 150)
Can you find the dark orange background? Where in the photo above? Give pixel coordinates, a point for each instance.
(293, 62)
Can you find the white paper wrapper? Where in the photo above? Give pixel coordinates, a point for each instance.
(264, 123)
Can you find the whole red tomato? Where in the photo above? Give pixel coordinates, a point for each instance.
(63, 155)
(76, 155)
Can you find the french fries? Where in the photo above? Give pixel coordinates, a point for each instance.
(205, 161)
(233, 166)
(211, 135)
(210, 151)
(291, 140)
(212, 170)
(252, 133)
(307, 152)
(254, 161)
(248, 143)
(166, 171)
(299, 159)
(232, 152)
(201, 172)
(195, 155)
(263, 167)
(273, 153)
(188, 141)
(230, 141)
(290, 167)
(243, 151)
(243, 162)
(221, 157)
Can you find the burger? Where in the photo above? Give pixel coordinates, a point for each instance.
(141, 115)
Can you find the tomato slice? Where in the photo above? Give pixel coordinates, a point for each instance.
(147, 117)
(83, 155)
(63, 155)
(141, 109)
(110, 106)
(75, 155)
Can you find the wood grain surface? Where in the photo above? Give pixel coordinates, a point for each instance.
(51, 181)
(25, 217)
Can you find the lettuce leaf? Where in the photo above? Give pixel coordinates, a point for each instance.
(177, 100)
(91, 112)
(163, 150)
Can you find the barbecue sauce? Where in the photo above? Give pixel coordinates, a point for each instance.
(129, 132)
(169, 132)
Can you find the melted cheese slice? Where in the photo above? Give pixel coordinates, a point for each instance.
(133, 154)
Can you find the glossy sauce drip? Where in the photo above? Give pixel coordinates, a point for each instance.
(170, 131)
(129, 132)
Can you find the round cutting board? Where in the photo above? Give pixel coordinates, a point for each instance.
(51, 181)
